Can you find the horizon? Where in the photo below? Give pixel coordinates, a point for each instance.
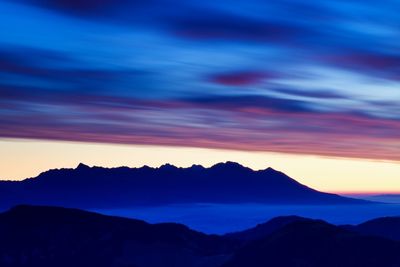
(286, 163)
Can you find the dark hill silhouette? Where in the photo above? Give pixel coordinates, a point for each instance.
(388, 227)
(264, 229)
(97, 187)
(34, 236)
(313, 243)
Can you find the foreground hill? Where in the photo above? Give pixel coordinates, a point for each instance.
(388, 227)
(96, 187)
(47, 237)
(264, 229)
(33, 236)
(311, 243)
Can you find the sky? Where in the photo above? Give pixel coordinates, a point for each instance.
(300, 79)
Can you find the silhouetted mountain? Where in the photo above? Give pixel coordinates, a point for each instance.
(34, 236)
(388, 227)
(312, 243)
(96, 187)
(264, 229)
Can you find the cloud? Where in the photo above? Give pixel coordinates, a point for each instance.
(377, 64)
(38, 68)
(228, 27)
(322, 94)
(244, 122)
(185, 19)
(83, 8)
(251, 101)
(240, 78)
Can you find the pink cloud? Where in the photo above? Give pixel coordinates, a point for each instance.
(240, 78)
(207, 125)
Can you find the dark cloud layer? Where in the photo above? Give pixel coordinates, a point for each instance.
(90, 8)
(229, 27)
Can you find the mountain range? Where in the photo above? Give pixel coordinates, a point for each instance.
(98, 187)
(44, 236)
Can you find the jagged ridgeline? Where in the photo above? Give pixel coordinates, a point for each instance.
(97, 187)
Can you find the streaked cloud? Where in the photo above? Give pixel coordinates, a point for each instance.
(303, 77)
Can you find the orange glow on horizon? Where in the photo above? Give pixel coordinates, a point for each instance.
(21, 159)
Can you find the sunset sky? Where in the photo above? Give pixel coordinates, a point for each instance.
(311, 88)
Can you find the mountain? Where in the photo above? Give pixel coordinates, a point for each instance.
(264, 229)
(97, 187)
(388, 227)
(314, 243)
(33, 236)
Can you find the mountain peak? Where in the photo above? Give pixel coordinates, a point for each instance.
(228, 164)
(82, 166)
(197, 167)
(168, 166)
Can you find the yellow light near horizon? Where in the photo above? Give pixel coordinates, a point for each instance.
(21, 159)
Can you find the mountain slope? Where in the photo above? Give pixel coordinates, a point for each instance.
(388, 227)
(312, 243)
(49, 236)
(97, 187)
(264, 229)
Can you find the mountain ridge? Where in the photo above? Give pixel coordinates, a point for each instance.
(229, 182)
